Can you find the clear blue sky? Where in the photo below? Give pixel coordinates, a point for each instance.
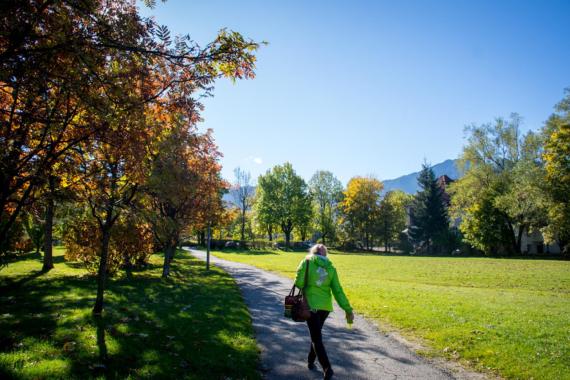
(376, 87)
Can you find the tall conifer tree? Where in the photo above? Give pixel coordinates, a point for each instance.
(430, 222)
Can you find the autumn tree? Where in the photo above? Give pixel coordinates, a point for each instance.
(361, 207)
(56, 74)
(183, 187)
(243, 193)
(283, 199)
(557, 164)
(326, 193)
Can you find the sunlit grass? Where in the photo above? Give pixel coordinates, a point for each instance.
(506, 316)
(194, 325)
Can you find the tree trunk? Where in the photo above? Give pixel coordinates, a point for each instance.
(127, 266)
(519, 239)
(385, 236)
(168, 252)
(208, 247)
(270, 232)
(512, 236)
(102, 274)
(243, 225)
(48, 226)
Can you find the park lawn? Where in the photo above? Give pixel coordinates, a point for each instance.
(509, 317)
(194, 325)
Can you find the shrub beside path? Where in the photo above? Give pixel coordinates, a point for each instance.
(361, 353)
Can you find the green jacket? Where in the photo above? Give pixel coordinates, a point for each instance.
(322, 280)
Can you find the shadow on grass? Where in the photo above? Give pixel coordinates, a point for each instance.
(193, 325)
(7, 284)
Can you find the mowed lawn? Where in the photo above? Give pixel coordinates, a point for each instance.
(506, 316)
(191, 326)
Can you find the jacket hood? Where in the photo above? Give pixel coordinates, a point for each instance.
(321, 261)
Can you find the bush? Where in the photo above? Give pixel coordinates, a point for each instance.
(16, 241)
(404, 244)
(131, 243)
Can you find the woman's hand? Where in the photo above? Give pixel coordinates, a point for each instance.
(349, 317)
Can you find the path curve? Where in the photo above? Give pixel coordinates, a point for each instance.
(361, 353)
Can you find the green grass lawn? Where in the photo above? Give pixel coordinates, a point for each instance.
(506, 316)
(193, 325)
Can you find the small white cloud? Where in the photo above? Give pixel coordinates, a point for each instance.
(258, 160)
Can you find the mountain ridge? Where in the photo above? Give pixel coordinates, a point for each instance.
(409, 183)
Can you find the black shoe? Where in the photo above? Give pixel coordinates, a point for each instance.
(311, 365)
(328, 374)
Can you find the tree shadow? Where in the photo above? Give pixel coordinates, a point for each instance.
(8, 284)
(151, 327)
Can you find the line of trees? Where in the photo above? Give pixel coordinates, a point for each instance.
(513, 184)
(283, 204)
(98, 113)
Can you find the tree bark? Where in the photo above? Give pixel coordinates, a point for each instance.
(168, 253)
(519, 239)
(48, 226)
(512, 236)
(270, 232)
(102, 274)
(208, 247)
(287, 228)
(243, 224)
(385, 236)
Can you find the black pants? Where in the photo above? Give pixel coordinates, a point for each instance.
(317, 350)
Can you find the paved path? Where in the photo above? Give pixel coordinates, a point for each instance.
(360, 353)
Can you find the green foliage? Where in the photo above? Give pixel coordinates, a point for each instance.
(326, 193)
(194, 325)
(500, 196)
(482, 224)
(429, 228)
(392, 218)
(504, 316)
(34, 230)
(283, 200)
(557, 164)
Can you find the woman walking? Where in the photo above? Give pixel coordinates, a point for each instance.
(322, 280)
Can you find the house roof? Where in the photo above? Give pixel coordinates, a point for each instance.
(442, 182)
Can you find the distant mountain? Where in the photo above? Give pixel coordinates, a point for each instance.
(409, 183)
(230, 196)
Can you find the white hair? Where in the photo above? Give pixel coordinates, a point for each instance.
(318, 249)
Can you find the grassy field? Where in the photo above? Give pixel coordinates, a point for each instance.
(506, 316)
(193, 326)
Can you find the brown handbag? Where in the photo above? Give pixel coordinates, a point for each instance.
(296, 306)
